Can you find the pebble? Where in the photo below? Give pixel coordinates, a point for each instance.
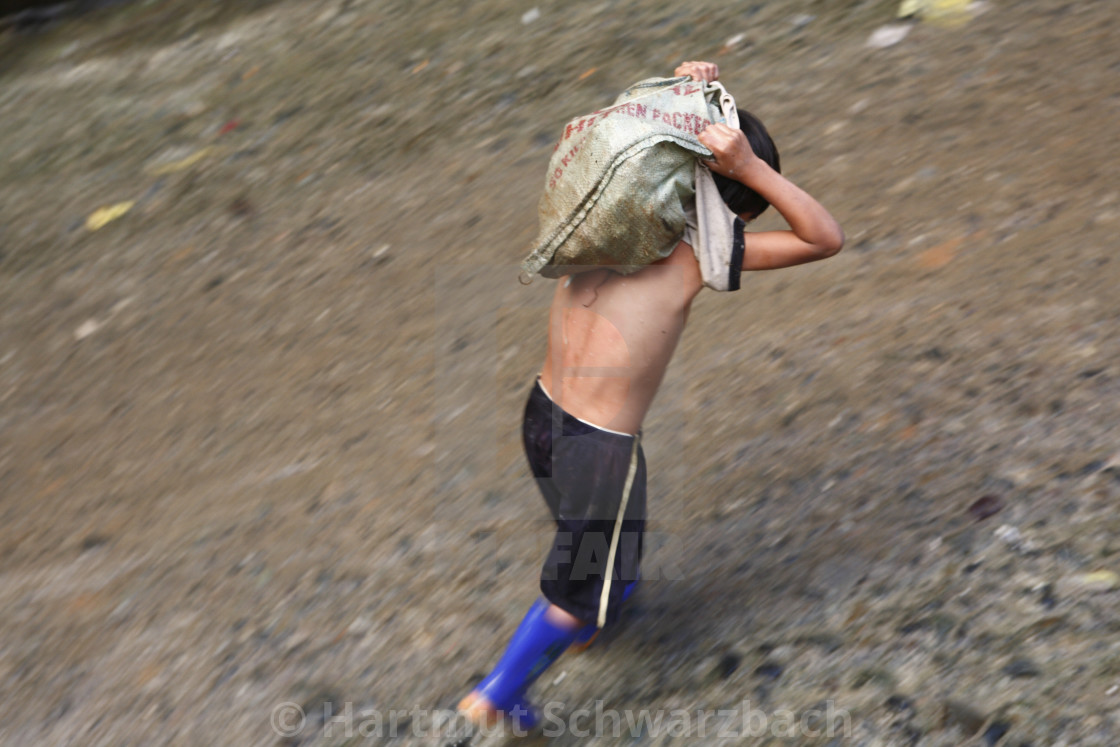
(900, 703)
(1047, 598)
(530, 15)
(955, 713)
(770, 670)
(888, 36)
(1013, 538)
(1017, 668)
(87, 328)
(985, 507)
(801, 20)
(726, 666)
(994, 733)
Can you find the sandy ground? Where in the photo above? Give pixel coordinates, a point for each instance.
(259, 433)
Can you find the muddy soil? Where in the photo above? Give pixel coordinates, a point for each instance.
(259, 424)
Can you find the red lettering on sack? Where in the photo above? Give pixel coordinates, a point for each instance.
(641, 110)
(568, 157)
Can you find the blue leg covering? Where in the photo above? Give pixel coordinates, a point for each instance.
(535, 645)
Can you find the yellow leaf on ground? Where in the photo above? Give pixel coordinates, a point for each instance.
(99, 218)
(940, 12)
(182, 163)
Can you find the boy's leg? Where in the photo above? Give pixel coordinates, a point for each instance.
(544, 633)
(586, 635)
(582, 473)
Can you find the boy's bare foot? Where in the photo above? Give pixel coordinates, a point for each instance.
(478, 709)
(480, 712)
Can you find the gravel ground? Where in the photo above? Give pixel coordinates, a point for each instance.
(259, 424)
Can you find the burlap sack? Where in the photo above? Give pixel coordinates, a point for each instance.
(618, 177)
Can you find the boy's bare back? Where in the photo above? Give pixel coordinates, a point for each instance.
(611, 336)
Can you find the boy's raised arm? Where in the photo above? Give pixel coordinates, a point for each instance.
(815, 233)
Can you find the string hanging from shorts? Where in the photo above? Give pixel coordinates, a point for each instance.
(617, 531)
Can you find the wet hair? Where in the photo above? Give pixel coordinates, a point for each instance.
(739, 197)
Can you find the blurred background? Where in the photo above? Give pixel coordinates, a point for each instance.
(263, 354)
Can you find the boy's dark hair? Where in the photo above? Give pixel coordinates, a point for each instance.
(741, 198)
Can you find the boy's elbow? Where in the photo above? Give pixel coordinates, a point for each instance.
(833, 243)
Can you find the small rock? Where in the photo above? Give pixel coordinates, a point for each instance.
(1047, 598)
(91, 541)
(770, 670)
(888, 36)
(1009, 534)
(1013, 538)
(1021, 668)
(735, 41)
(996, 732)
(530, 15)
(955, 713)
(87, 328)
(985, 507)
(901, 704)
(726, 666)
(801, 20)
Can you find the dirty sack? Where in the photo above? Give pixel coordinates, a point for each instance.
(621, 178)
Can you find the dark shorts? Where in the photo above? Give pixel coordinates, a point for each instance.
(581, 471)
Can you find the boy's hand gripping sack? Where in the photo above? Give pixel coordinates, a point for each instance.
(618, 178)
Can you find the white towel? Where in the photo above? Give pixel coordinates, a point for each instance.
(717, 234)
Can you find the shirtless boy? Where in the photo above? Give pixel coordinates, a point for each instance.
(610, 339)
